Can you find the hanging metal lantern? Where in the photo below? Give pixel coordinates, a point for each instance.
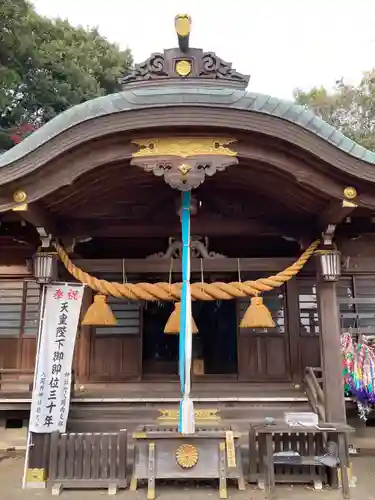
(329, 264)
(45, 266)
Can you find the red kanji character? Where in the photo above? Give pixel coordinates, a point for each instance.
(73, 294)
(58, 294)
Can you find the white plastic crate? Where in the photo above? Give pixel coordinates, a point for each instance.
(305, 419)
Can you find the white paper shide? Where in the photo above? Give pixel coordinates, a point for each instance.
(58, 330)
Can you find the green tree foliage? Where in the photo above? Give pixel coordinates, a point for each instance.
(47, 65)
(351, 109)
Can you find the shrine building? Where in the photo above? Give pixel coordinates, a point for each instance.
(94, 195)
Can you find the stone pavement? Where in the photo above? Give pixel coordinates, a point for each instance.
(11, 468)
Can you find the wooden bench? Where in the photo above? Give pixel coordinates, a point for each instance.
(309, 456)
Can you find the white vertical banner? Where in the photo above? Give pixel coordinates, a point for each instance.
(53, 368)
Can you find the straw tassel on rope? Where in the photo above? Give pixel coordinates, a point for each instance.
(257, 315)
(99, 313)
(172, 326)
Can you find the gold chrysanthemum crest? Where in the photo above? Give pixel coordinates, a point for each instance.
(187, 456)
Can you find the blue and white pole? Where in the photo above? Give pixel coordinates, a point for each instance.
(187, 416)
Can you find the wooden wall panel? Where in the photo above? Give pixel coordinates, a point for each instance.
(263, 355)
(263, 358)
(28, 353)
(131, 357)
(309, 352)
(8, 352)
(105, 359)
(115, 358)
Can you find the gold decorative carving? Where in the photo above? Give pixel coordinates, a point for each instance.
(184, 147)
(184, 162)
(209, 415)
(187, 456)
(183, 67)
(36, 475)
(184, 168)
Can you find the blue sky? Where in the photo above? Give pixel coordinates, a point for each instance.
(283, 44)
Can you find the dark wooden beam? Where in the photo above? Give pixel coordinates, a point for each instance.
(13, 271)
(135, 266)
(335, 213)
(39, 217)
(206, 226)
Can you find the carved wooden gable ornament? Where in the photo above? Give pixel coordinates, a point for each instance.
(184, 162)
(185, 65)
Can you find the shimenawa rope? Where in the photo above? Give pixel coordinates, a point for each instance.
(172, 291)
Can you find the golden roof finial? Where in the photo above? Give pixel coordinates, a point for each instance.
(182, 23)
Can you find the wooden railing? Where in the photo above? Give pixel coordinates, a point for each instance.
(88, 461)
(314, 390)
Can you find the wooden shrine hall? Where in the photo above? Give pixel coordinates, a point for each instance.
(96, 192)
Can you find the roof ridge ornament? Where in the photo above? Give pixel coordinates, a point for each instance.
(185, 65)
(182, 23)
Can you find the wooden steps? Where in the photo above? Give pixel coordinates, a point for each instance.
(112, 407)
(106, 417)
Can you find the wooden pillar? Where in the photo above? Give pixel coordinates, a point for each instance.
(331, 354)
(84, 347)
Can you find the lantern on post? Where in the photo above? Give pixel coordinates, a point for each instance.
(329, 260)
(45, 265)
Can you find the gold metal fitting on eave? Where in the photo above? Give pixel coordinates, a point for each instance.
(20, 197)
(350, 194)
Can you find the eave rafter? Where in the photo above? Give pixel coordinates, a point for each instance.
(337, 211)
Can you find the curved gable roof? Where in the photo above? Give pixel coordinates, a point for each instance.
(164, 96)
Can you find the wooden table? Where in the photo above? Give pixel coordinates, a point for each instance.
(161, 452)
(336, 433)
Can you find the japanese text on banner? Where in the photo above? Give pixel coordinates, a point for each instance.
(59, 323)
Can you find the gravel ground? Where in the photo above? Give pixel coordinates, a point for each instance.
(11, 468)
